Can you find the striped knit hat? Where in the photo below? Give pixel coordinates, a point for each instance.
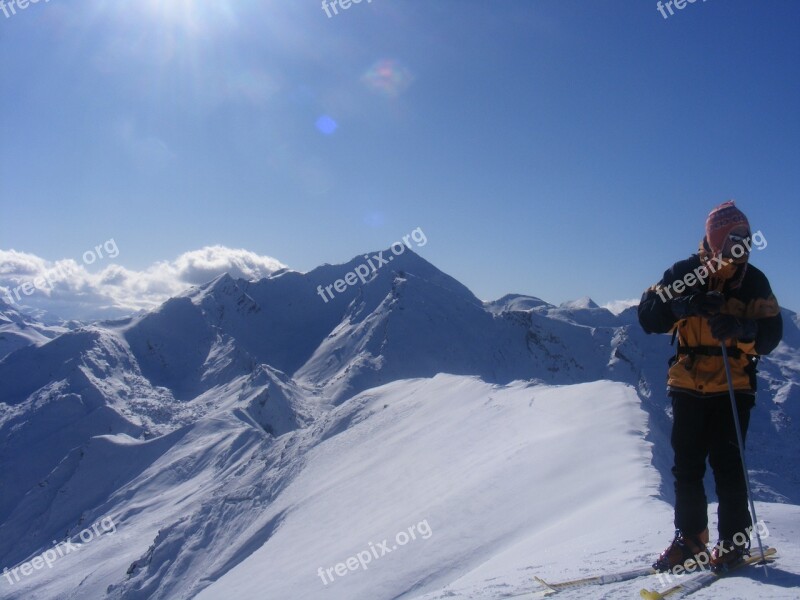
(720, 222)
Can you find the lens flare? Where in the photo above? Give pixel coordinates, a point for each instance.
(388, 77)
(326, 125)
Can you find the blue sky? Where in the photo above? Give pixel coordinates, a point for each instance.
(556, 148)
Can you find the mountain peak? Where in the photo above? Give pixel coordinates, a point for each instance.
(515, 302)
(580, 304)
(219, 281)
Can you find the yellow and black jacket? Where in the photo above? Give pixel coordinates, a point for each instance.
(697, 367)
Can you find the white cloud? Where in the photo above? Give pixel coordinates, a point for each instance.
(617, 306)
(199, 266)
(67, 289)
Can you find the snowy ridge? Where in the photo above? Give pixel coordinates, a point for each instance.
(245, 434)
(18, 330)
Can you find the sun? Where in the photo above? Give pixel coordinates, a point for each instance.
(192, 17)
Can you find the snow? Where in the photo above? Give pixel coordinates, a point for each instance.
(18, 330)
(516, 302)
(580, 304)
(245, 437)
(488, 468)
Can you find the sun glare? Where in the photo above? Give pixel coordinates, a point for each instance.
(196, 17)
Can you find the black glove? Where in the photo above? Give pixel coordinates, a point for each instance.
(702, 304)
(725, 327)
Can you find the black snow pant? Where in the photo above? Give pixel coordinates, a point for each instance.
(703, 428)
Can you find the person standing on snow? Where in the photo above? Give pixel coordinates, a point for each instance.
(711, 297)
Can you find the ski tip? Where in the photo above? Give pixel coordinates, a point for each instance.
(650, 595)
(544, 584)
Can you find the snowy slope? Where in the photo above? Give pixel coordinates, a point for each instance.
(18, 330)
(487, 468)
(245, 434)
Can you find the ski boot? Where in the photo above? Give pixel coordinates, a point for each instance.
(727, 554)
(683, 548)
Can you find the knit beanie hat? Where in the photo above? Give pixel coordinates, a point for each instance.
(720, 222)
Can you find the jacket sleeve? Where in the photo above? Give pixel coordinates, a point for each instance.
(655, 310)
(770, 332)
(767, 313)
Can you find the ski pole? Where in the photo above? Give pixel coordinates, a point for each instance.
(741, 452)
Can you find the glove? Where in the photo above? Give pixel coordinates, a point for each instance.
(725, 327)
(702, 304)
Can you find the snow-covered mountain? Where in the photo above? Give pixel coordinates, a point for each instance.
(247, 433)
(18, 330)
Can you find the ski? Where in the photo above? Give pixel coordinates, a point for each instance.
(553, 588)
(548, 589)
(701, 580)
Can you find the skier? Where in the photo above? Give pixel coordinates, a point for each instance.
(713, 296)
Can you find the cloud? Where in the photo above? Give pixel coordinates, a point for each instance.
(68, 289)
(199, 266)
(617, 306)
